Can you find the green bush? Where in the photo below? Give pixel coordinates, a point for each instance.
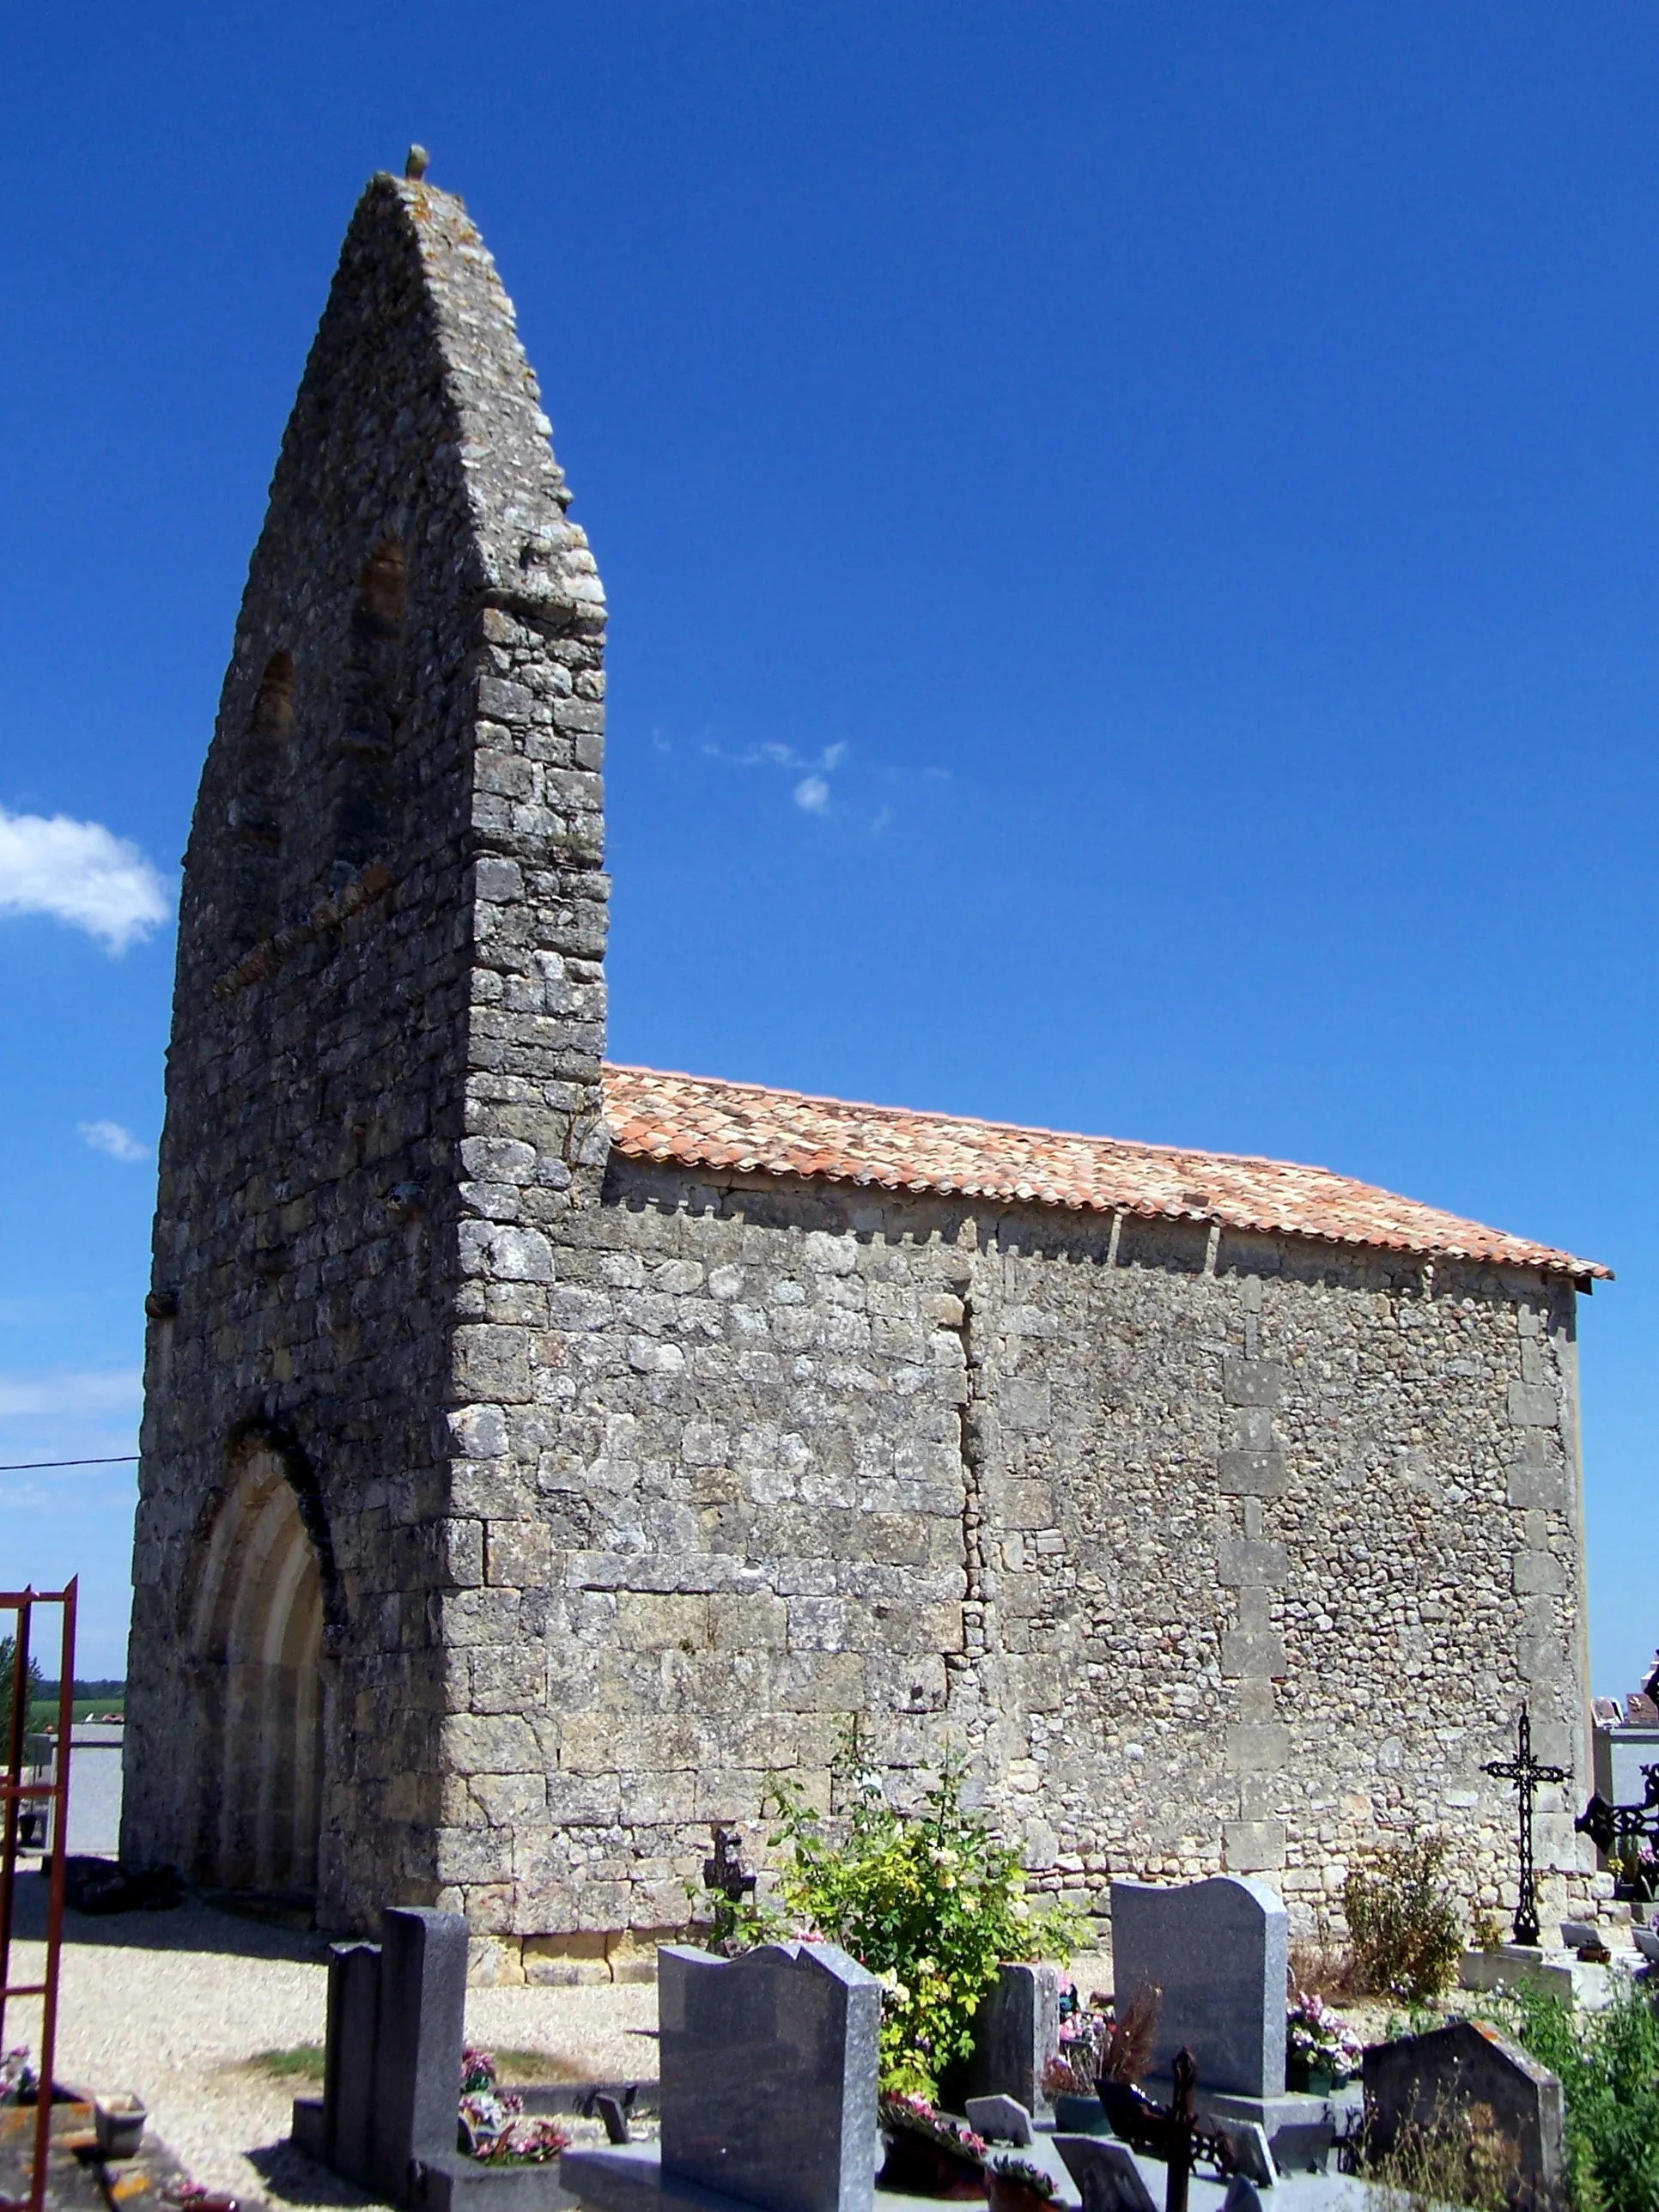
(1609, 2068)
(932, 1903)
(1403, 1923)
(37, 1687)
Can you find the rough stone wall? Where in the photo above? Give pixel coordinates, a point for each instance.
(406, 746)
(1207, 1550)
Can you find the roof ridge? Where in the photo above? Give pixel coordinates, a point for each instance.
(980, 1121)
(697, 1120)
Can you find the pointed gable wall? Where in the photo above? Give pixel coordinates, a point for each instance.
(389, 1016)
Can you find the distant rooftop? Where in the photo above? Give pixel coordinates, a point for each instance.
(696, 1120)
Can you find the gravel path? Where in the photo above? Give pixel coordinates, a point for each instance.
(175, 2005)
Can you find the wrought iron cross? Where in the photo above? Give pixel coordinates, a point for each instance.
(1171, 2132)
(725, 1872)
(1526, 1772)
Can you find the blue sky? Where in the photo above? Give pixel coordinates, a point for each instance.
(1132, 534)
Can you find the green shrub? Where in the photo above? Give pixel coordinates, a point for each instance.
(1403, 1921)
(932, 1903)
(1609, 2068)
(37, 1687)
(1458, 2158)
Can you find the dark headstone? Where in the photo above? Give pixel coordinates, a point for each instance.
(354, 2021)
(1106, 2174)
(768, 2072)
(1421, 2080)
(1218, 1951)
(1016, 2033)
(417, 2060)
(769, 2065)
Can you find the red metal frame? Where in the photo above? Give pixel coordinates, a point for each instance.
(14, 1790)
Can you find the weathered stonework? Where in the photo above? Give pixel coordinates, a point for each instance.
(626, 1481)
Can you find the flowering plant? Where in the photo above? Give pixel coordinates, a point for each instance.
(915, 2116)
(1072, 2070)
(492, 2123)
(1315, 2036)
(18, 2079)
(931, 1903)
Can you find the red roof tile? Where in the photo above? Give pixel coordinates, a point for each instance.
(695, 1121)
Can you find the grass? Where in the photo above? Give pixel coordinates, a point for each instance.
(300, 2061)
(43, 1713)
(303, 2062)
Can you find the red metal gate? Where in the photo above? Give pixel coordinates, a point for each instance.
(53, 1797)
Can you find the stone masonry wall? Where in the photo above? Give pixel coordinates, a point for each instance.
(338, 1078)
(1208, 1550)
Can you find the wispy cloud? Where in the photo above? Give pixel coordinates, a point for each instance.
(109, 1390)
(82, 873)
(110, 1137)
(812, 791)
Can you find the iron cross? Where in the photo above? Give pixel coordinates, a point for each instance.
(1526, 1772)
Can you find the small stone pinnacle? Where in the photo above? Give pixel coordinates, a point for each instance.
(415, 163)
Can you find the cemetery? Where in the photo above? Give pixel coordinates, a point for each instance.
(1188, 2062)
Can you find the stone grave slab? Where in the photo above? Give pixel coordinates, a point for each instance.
(386, 2120)
(1000, 2119)
(1219, 1951)
(1016, 2033)
(1107, 2173)
(768, 2095)
(1420, 2078)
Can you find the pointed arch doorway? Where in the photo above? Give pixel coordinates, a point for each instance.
(257, 1635)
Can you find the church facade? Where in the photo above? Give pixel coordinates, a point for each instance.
(538, 1453)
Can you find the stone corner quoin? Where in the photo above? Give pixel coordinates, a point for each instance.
(513, 1503)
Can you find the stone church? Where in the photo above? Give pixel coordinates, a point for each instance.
(539, 1452)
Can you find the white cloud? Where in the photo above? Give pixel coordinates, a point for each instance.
(812, 794)
(82, 873)
(113, 1390)
(110, 1137)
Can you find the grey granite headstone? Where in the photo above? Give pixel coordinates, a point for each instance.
(1106, 2174)
(417, 2060)
(1420, 2079)
(1016, 2033)
(1253, 2154)
(1000, 2119)
(769, 2065)
(1218, 1951)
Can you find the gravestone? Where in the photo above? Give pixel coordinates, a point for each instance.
(386, 2120)
(1016, 2033)
(1421, 2080)
(1106, 2174)
(769, 2065)
(1218, 1952)
(1000, 2119)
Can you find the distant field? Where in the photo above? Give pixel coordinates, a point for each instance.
(90, 1698)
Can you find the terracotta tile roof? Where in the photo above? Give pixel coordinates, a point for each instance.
(695, 1121)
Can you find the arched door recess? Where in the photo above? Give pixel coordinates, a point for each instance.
(257, 1634)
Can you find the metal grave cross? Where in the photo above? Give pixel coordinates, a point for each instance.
(1171, 2132)
(1526, 1772)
